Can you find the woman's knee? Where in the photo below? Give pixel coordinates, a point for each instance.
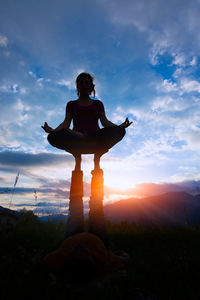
(121, 131)
(51, 137)
(115, 133)
(54, 139)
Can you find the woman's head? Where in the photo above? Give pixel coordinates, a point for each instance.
(84, 84)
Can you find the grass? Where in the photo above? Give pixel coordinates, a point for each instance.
(164, 262)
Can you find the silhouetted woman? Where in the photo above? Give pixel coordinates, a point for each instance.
(86, 137)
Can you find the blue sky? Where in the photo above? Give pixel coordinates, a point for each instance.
(144, 56)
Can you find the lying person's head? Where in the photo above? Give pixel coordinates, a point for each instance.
(80, 266)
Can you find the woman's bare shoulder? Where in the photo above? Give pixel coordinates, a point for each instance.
(98, 101)
(71, 102)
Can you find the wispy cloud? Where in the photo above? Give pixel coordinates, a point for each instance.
(3, 40)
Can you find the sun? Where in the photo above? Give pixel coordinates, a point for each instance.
(118, 181)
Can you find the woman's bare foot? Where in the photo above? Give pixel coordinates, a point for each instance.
(76, 132)
(77, 162)
(97, 157)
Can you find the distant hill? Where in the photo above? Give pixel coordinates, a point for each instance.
(58, 218)
(9, 211)
(172, 208)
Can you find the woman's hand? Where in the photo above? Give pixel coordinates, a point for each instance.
(126, 123)
(47, 128)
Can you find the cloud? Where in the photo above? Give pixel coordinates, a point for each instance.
(33, 75)
(153, 189)
(192, 137)
(182, 86)
(189, 86)
(66, 83)
(52, 193)
(179, 59)
(3, 40)
(4, 179)
(21, 159)
(19, 112)
(168, 86)
(168, 30)
(12, 88)
(140, 190)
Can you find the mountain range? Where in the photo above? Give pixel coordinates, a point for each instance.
(172, 208)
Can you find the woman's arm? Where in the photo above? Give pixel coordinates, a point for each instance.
(104, 121)
(65, 124)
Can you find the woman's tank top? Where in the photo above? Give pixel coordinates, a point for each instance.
(85, 118)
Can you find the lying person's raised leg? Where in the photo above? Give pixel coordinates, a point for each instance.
(75, 222)
(97, 223)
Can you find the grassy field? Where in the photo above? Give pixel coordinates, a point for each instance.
(165, 263)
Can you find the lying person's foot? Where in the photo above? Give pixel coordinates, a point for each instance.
(123, 255)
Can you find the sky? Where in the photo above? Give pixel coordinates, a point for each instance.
(144, 56)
